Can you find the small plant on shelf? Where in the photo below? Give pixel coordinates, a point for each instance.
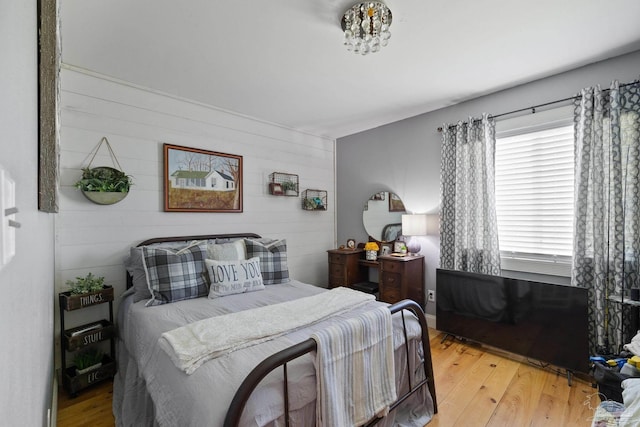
(91, 358)
(83, 285)
(290, 188)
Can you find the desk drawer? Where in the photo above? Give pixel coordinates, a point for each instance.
(391, 280)
(390, 287)
(391, 266)
(336, 269)
(337, 279)
(337, 258)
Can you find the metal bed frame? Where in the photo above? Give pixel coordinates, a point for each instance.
(281, 358)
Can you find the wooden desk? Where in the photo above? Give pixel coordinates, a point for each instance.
(399, 277)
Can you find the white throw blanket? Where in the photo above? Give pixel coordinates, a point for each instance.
(191, 345)
(355, 370)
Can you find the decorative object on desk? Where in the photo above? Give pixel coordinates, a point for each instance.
(83, 285)
(198, 180)
(351, 244)
(366, 27)
(104, 185)
(283, 184)
(386, 249)
(371, 251)
(314, 200)
(414, 225)
(400, 247)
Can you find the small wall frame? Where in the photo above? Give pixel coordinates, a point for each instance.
(314, 200)
(283, 184)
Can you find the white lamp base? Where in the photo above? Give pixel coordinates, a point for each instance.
(413, 246)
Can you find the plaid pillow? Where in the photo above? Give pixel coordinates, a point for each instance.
(273, 260)
(175, 275)
(134, 265)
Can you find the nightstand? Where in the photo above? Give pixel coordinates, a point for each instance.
(82, 337)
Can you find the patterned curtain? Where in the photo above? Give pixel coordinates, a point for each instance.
(468, 224)
(607, 201)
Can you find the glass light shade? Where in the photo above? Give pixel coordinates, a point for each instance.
(366, 27)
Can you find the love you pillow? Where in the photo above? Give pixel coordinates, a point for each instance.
(234, 277)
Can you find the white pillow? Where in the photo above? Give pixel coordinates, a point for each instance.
(234, 277)
(227, 251)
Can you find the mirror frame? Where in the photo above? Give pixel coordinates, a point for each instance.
(393, 206)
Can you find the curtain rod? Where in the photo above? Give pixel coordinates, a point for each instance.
(533, 108)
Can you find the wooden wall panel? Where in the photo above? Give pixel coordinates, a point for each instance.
(137, 122)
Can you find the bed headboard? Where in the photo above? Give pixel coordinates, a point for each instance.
(190, 239)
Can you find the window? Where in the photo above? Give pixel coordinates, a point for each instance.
(534, 192)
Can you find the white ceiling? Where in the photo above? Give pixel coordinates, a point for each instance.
(283, 60)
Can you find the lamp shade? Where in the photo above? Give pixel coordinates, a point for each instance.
(414, 225)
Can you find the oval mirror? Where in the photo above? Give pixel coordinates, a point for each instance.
(382, 216)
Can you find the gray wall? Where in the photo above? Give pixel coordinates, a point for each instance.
(26, 317)
(404, 157)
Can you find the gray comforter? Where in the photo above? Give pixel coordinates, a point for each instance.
(150, 390)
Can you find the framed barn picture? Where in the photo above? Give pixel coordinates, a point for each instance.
(198, 180)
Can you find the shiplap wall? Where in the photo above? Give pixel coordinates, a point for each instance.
(137, 121)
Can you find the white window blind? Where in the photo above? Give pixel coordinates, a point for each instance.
(534, 191)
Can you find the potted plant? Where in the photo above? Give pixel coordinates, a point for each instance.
(104, 185)
(85, 291)
(83, 285)
(88, 360)
(290, 188)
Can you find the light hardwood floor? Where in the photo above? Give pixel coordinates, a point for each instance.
(476, 386)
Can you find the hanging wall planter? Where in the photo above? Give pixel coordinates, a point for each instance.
(104, 185)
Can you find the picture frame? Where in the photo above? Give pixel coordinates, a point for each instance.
(386, 249)
(197, 180)
(395, 203)
(398, 245)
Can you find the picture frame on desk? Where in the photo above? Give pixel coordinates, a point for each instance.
(386, 249)
(398, 245)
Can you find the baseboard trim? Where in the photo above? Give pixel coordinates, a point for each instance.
(53, 412)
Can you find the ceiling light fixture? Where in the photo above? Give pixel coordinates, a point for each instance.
(366, 27)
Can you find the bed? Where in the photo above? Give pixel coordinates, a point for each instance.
(268, 383)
